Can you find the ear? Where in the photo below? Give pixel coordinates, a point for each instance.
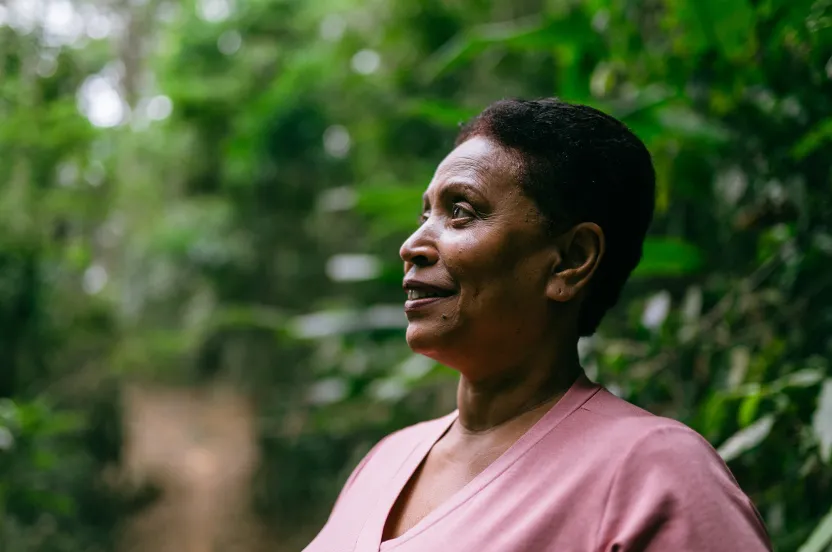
(581, 250)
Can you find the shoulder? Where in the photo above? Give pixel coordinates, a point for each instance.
(668, 482)
(666, 451)
(647, 443)
(659, 455)
(638, 430)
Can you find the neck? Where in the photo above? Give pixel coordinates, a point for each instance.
(537, 382)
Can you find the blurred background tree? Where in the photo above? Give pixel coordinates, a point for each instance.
(204, 192)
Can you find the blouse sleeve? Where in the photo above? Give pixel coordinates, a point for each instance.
(673, 492)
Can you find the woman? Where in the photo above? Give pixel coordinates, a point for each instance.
(529, 229)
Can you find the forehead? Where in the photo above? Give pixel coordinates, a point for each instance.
(477, 161)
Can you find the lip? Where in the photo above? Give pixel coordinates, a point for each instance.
(413, 305)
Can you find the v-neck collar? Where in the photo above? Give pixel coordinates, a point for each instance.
(370, 538)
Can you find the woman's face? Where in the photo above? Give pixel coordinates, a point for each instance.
(477, 268)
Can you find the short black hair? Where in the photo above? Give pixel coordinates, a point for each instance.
(579, 164)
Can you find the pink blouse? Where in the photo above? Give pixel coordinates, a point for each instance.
(595, 473)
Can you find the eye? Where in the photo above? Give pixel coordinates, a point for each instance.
(461, 211)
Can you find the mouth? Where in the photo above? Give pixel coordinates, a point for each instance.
(416, 294)
(421, 296)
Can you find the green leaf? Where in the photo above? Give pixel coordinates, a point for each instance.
(746, 439)
(729, 23)
(800, 379)
(49, 501)
(6, 439)
(9, 415)
(807, 145)
(748, 409)
(392, 208)
(665, 256)
(62, 423)
(249, 316)
(713, 415)
(43, 460)
(441, 113)
(686, 123)
(821, 537)
(822, 421)
(530, 34)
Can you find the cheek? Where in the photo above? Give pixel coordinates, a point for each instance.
(495, 271)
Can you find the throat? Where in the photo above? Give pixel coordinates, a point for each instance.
(486, 406)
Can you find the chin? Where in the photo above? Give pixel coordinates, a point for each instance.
(431, 342)
(419, 340)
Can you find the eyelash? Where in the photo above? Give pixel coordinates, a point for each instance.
(456, 207)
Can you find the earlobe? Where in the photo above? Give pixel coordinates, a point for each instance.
(556, 289)
(581, 251)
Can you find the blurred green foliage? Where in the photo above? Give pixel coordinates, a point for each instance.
(237, 212)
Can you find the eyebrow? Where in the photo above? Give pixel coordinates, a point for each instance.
(456, 186)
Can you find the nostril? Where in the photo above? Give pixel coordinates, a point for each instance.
(420, 260)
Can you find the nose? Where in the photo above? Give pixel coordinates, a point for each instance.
(419, 249)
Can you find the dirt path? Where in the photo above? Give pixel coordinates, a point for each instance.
(199, 446)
